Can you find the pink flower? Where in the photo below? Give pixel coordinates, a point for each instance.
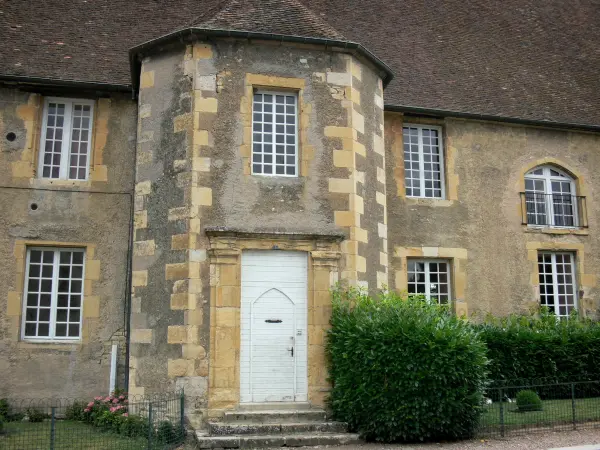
(121, 397)
(98, 398)
(113, 409)
(90, 404)
(126, 415)
(116, 400)
(86, 410)
(107, 399)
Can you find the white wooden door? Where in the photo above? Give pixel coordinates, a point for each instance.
(273, 366)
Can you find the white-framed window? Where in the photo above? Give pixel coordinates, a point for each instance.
(53, 294)
(431, 278)
(558, 288)
(66, 137)
(275, 134)
(423, 161)
(550, 198)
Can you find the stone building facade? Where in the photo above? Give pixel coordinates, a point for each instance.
(243, 143)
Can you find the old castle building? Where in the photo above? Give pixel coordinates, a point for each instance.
(188, 181)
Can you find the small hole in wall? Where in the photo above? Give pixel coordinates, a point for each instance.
(33, 206)
(11, 136)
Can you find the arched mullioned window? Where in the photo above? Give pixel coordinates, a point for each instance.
(551, 198)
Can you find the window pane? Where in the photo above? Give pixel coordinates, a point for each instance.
(422, 157)
(53, 308)
(53, 143)
(557, 288)
(429, 278)
(274, 120)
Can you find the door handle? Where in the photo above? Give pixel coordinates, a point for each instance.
(291, 350)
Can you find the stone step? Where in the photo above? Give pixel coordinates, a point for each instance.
(277, 440)
(275, 416)
(233, 428)
(279, 406)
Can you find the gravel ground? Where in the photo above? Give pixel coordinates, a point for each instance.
(536, 441)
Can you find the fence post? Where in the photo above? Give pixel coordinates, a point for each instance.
(181, 416)
(573, 405)
(150, 426)
(52, 427)
(501, 412)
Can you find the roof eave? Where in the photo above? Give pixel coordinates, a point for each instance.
(25, 80)
(190, 33)
(406, 109)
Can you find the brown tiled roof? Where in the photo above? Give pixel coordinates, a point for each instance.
(286, 17)
(526, 59)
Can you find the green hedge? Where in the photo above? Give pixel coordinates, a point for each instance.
(541, 349)
(404, 369)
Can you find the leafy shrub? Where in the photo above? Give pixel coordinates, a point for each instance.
(528, 400)
(166, 432)
(404, 369)
(35, 415)
(4, 408)
(75, 411)
(2, 420)
(541, 349)
(133, 426)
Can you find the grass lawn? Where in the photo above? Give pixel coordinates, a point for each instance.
(69, 436)
(554, 412)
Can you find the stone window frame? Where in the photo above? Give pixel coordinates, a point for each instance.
(442, 159)
(580, 189)
(225, 252)
(585, 282)
(426, 272)
(458, 258)
(66, 142)
(53, 306)
(90, 302)
(252, 82)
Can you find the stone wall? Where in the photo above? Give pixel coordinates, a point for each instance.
(478, 226)
(37, 212)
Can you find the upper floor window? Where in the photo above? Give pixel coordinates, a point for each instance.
(53, 297)
(430, 278)
(550, 198)
(66, 139)
(423, 161)
(275, 134)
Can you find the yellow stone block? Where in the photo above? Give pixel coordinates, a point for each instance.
(380, 198)
(227, 317)
(193, 351)
(13, 307)
(228, 296)
(140, 219)
(92, 269)
(271, 81)
(201, 164)
(194, 316)
(147, 79)
(345, 218)
(343, 158)
(22, 169)
(224, 377)
(341, 185)
(100, 173)
(177, 271)
(209, 105)
(141, 336)
(91, 306)
(202, 51)
(340, 132)
(139, 278)
(229, 275)
(144, 248)
(180, 301)
(177, 334)
(180, 241)
(359, 234)
(201, 137)
(201, 196)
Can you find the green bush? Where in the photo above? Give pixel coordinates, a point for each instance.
(528, 400)
(134, 426)
(4, 408)
(35, 415)
(166, 432)
(75, 411)
(541, 349)
(2, 420)
(404, 369)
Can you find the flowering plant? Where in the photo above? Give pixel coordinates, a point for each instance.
(105, 411)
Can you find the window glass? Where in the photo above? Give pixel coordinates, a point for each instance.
(423, 161)
(557, 282)
(430, 278)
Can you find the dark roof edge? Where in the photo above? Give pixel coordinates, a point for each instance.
(190, 32)
(487, 117)
(58, 82)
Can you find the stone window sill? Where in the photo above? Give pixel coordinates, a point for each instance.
(557, 231)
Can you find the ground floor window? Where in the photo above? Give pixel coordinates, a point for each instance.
(430, 278)
(53, 293)
(558, 291)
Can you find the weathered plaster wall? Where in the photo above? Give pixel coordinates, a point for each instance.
(479, 225)
(193, 172)
(65, 215)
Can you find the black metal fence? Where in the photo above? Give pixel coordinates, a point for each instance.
(116, 422)
(538, 406)
(554, 210)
